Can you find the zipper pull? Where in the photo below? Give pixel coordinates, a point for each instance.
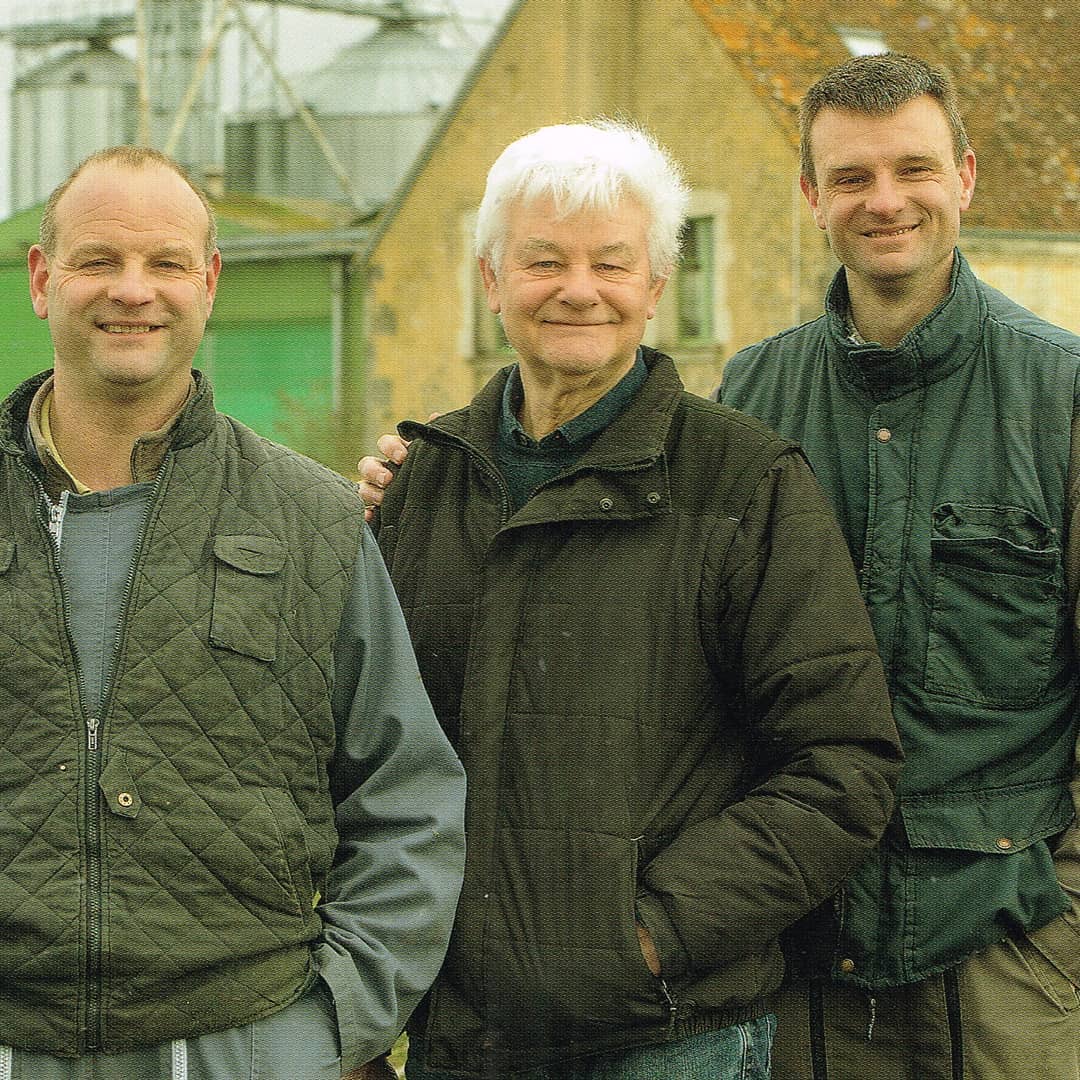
(91, 733)
(55, 516)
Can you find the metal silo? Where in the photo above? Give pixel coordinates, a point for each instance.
(63, 110)
(376, 102)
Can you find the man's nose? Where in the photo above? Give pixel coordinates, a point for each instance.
(579, 286)
(131, 285)
(885, 197)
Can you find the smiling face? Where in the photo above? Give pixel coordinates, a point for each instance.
(889, 193)
(128, 289)
(574, 294)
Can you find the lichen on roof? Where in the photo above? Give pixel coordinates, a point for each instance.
(1016, 64)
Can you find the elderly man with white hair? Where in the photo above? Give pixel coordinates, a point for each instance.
(638, 624)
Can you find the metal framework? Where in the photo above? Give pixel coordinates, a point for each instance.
(177, 50)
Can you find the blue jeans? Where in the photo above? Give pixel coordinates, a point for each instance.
(741, 1052)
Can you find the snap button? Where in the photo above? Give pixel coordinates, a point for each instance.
(1004, 843)
(883, 434)
(652, 498)
(125, 799)
(847, 966)
(606, 503)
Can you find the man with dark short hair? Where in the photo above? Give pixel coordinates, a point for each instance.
(941, 419)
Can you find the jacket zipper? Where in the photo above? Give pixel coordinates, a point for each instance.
(671, 1003)
(55, 513)
(54, 521)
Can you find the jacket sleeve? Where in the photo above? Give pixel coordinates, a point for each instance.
(1059, 939)
(826, 757)
(399, 794)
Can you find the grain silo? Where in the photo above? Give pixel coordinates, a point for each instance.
(63, 110)
(376, 102)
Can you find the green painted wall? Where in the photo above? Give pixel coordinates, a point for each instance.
(25, 346)
(267, 348)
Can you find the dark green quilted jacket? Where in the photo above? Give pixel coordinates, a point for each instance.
(158, 868)
(662, 683)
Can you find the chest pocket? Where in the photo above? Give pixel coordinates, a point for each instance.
(247, 595)
(997, 598)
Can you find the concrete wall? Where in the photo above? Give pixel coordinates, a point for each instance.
(1039, 271)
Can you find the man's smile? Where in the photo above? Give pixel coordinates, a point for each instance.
(128, 328)
(888, 233)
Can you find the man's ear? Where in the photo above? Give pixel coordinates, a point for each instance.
(967, 178)
(213, 270)
(38, 265)
(811, 194)
(491, 286)
(656, 290)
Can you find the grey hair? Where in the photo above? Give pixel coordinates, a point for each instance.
(878, 85)
(590, 165)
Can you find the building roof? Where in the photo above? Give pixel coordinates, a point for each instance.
(398, 69)
(1016, 64)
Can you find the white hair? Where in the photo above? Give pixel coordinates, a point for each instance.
(586, 166)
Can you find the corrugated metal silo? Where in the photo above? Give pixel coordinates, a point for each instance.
(63, 110)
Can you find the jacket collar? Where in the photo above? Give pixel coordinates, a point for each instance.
(636, 435)
(622, 475)
(193, 424)
(943, 342)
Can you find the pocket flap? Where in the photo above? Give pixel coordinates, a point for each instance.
(7, 555)
(252, 554)
(1001, 821)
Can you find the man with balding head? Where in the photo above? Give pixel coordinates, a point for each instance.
(226, 848)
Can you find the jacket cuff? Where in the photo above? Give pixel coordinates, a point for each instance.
(650, 912)
(337, 970)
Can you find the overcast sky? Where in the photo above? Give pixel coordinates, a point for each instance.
(312, 39)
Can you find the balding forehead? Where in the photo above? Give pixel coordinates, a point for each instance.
(152, 192)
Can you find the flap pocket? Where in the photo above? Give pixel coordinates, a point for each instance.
(7, 555)
(247, 595)
(997, 612)
(252, 554)
(994, 539)
(1001, 821)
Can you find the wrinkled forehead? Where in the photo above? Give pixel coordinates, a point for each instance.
(144, 204)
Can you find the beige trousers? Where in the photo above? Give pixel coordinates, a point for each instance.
(1005, 1013)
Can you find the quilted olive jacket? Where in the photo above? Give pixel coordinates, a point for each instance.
(160, 860)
